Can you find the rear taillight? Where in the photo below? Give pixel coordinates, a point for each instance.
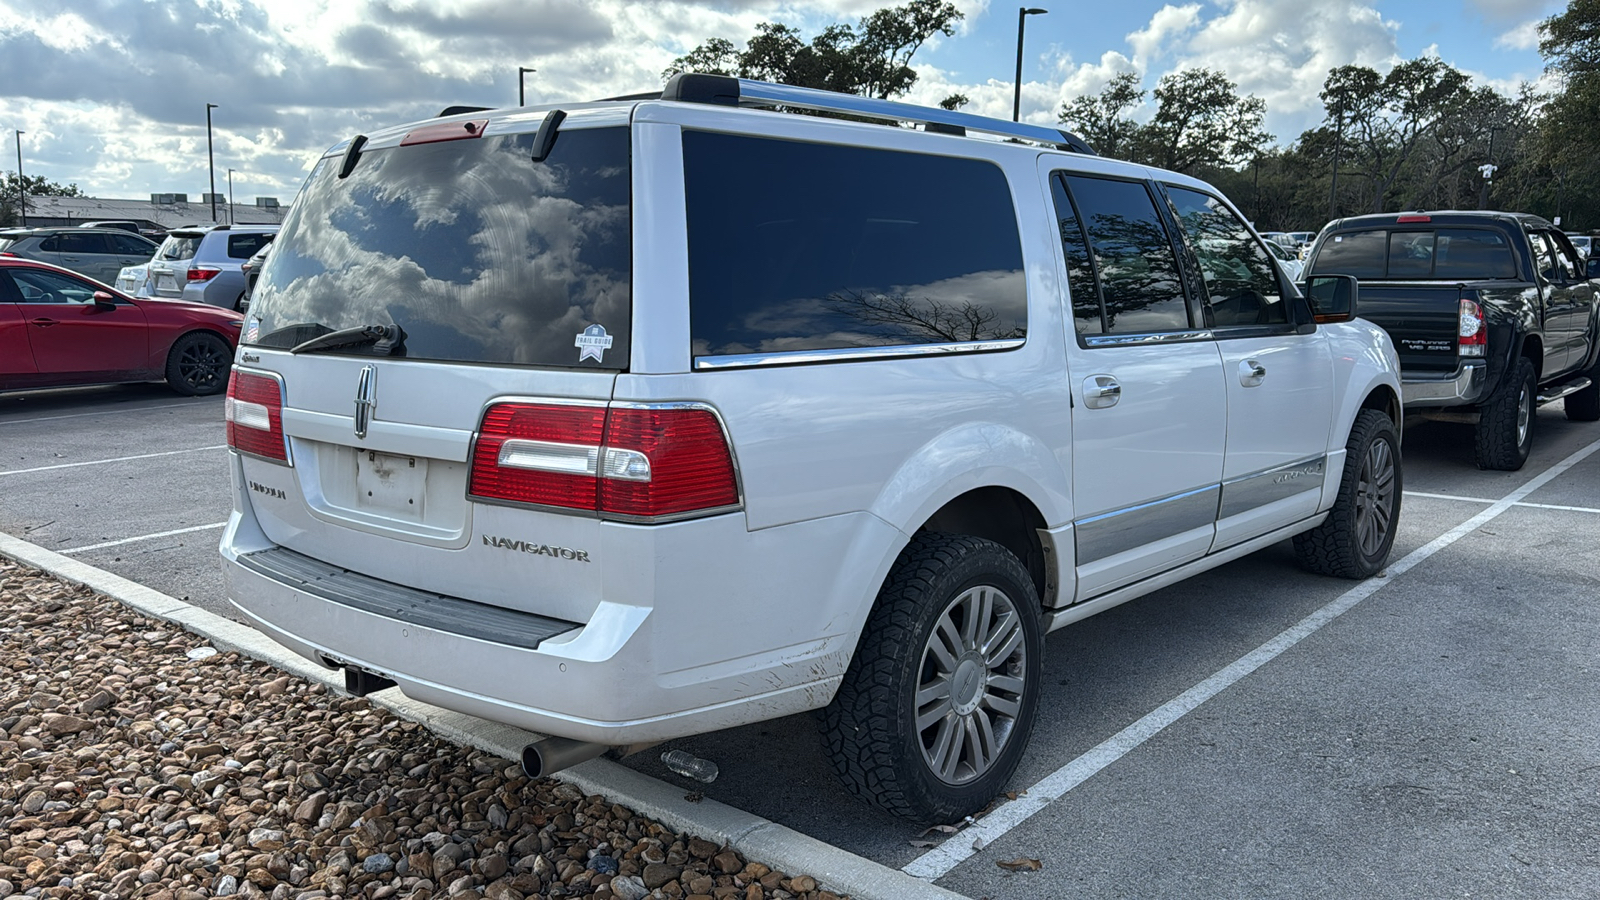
(1472, 337)
(10, 254)
(254, 412)
(626, 462)
(204, 273)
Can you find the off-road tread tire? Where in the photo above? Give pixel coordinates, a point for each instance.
(174, 356)
(872, 746)
(1495, 439)
(1331, 548)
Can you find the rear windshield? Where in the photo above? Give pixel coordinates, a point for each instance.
(1417, 254)
(180, 246)
(477, 252)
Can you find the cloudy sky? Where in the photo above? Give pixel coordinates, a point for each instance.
(111, 94)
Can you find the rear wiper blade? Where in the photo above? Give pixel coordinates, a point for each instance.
(386, 340)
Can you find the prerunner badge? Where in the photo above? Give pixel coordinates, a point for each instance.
(592, 343)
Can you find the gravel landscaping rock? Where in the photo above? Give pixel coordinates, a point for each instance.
(133, 767)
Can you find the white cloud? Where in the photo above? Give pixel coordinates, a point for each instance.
(1522, 37)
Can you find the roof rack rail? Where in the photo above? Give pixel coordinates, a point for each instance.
(460, 110)
(723, 90)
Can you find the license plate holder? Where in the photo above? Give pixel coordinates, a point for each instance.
(390, 484)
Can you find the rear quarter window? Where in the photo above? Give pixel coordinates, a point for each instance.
(178, 246)
(244, 246)
(797, 246)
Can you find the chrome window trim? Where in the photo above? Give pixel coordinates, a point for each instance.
(847, 354)
(1155, 337)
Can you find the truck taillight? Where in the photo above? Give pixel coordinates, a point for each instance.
(254, 413)
(1473, 335)
(626, 462)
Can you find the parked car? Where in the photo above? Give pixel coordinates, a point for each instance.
(59, 328)
(1492, 314)
(99, 253)
(135, 281)
(203, 265)
(119, 224)
(1583, 243)
(1287, 259)
(252, 272)
(537, 418)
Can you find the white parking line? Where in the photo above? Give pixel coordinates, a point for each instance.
(101, 412)
(142, 537)
(1582, 509)
(938, 862)
(98, 462)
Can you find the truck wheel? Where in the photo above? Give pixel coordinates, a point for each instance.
(938, 703)
(1505, 423)
(1355, 540)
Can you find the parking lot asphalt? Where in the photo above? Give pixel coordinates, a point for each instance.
(1434, 738)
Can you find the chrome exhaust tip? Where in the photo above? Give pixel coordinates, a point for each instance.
(542, 758)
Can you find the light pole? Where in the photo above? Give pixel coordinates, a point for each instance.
(1022, 20)
(212, 160)
(22, 186)
(521, 94)
(1488, 171)
(1338, 134)
(230, 196)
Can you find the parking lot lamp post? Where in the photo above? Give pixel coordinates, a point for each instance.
(22, 186)
(1488, 171)
(1022, 20)
(521, 93)
(1338, 135)
(212, 159)
(230, 196)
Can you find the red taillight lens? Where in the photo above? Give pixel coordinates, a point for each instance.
(8, 253)
(634, 463)
(1472, 335)
(543, 454)
(665, 462)
(254, 412)
(204, 273)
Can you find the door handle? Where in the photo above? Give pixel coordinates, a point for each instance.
(1251, 373)
(1101, 392)
(42, 323)
(70, 258)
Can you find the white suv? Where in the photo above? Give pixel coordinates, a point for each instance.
(632, 420)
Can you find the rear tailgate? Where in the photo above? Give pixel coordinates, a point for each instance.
(508, 278)
(1423, 320)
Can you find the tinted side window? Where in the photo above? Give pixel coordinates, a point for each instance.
(1086, 309)
(1241, 280)
(1358, 253)
(1139, 282)
(244, 246)
(129, 245)
(797, 246)
(1543, 263)
(1565, 258)
(51, 244)
(82, 243)
(39, 286)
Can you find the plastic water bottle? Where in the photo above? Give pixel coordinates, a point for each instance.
(690, 766)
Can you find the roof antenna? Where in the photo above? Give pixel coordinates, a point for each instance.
(352, 155)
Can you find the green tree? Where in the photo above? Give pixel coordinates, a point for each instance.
(872, 58)
(1103, 119)
(1202, 121)
(31, 186)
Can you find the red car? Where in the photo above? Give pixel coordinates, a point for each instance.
(60, 328)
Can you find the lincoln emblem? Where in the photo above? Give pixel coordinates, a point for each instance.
(366, 399)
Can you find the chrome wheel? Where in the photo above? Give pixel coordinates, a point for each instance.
(971, 686)
(1375, 497)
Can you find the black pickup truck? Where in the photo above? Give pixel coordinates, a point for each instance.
(1491, 313)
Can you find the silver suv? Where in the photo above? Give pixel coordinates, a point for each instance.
(99, 253)
(202, 265)
(631, 420)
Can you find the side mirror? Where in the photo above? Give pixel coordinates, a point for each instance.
(104, 300)
(1333, 297)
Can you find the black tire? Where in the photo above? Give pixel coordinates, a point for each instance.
(198, 364)
(1356, 538)
(1505, 423)
(973, 587)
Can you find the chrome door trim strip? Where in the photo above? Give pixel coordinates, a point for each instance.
(845, 354)
(1164, 337)
(1247, 492)
(1110, 533)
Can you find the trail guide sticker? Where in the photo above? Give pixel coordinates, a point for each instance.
(592, 343)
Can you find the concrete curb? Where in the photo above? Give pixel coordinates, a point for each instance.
(757, 838)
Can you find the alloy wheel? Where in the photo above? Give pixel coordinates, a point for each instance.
(970, 689)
